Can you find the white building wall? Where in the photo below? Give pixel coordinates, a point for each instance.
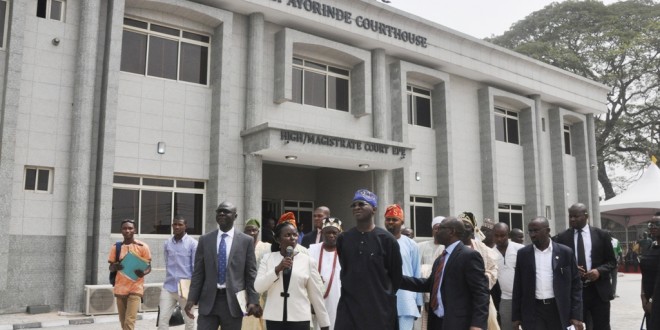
(44, 121)
(423, 161)
(571, 191)
(510, 173)
(466, 149)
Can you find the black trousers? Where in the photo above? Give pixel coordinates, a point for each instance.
(596, 308)
(547, 315)
(435, 323)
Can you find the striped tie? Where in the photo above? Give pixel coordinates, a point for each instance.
(436, 281)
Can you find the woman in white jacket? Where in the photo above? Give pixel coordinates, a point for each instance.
(292, 284)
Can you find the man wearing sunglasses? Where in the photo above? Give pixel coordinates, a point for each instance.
(370, 271)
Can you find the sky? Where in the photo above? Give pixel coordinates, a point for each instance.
(478, 18)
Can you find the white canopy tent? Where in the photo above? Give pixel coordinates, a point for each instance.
(637, 204)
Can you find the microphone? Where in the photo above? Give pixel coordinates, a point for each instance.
(289, 253)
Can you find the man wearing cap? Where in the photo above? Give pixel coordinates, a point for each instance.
(408, 303)
(325, 254)
(506, 269)
(429, 251)
(370, 270)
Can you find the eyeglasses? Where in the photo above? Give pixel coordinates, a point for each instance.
(358, 204)
(223, 211)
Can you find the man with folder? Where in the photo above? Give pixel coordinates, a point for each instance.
(179, 253)
(129, 283)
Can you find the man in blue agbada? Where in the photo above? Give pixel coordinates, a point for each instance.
(371, 271)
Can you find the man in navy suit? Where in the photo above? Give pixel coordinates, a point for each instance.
(458, 284)
(225, 264)
(547, 290)
(596, 260)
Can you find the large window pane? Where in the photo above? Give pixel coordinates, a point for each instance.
(517, 220)
(156, 215)
(337, 93)
(3, 18)
(194, 63)
(567, 143)
(41, 8)
(410, 109)
(423, 219)
(190, 207)
(512, 130)
(56, 10)
(125, 205)
(42, 180)
(423, 111)
(297, 85)
(30, 178)
(315, 89)
(133, 52)
(500, 130)
(163, 55)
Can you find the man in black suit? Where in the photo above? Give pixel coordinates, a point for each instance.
(546, 285)
(314, 236)
(596, 259)
(225, 264)
(458, 286)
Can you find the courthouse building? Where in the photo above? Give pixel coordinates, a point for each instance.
(145, 109)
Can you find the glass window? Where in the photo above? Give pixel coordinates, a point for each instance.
(419, 106)
(4, 23)
(172, 53)
(567, 140)
(38, 179)
(506, 126)
(134, 52)
(303, 211)
(421, 215)
(51, 9)
(153, 202)
(512, 215)
(320, 85)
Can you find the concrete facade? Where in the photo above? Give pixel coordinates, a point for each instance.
(70, 109)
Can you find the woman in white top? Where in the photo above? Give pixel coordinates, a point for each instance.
(292, 283)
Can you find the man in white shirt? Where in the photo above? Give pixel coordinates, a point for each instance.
(506, 267)
(547, 290)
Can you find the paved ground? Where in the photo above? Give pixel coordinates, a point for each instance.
(626, 314)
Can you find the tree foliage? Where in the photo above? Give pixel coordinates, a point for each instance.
(617, 45)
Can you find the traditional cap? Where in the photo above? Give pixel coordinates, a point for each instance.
(488, 223)
(253, 222)
(437, 220)
(394, 211)
(288, 217)
(468, 219)
(332, 222)
(366, 196)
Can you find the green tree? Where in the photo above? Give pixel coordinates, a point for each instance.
(617, 45)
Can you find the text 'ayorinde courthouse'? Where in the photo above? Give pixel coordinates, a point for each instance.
(145, 109)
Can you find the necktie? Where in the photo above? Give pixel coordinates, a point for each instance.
(582, 260)
(436, 281)
(222, 261)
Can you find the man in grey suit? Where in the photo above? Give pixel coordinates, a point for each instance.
(225, 264)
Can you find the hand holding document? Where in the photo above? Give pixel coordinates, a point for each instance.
(184, 288)
(131, 263)
(242, 301)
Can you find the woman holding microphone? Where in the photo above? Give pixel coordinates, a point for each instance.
(292, 283)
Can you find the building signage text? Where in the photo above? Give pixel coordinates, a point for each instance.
(338, 142)
(316, 7)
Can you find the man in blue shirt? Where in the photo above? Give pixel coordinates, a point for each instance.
(179, 259)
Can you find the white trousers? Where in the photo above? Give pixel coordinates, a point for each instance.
(168, 301)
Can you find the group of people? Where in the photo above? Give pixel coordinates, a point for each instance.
(368, 277)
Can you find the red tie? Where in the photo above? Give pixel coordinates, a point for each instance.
(436, 281)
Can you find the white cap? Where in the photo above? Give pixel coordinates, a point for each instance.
(437, 220)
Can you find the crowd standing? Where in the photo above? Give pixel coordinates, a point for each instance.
(466, 277)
